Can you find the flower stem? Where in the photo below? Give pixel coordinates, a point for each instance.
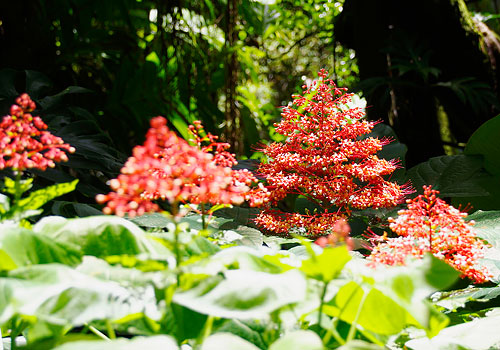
(322, 301)
(110, 329)
(352, 330)
(97, 332)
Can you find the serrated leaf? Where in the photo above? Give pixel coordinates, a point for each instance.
(38, 198)
(22, 186)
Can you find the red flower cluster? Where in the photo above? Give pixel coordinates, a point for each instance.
(24, 143)
(166, 167)
(430, 225)
(325, 159)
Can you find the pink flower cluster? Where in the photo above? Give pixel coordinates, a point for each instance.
(430, 225)
(327, 158)
(24, 143)
(167, 168)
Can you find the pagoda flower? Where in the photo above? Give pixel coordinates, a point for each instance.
(24, 141)
(328, 159)
(168, 168)
(26, 144)
(430, 225)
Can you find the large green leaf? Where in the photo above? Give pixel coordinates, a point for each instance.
(327, 265)
(22, 247)
(101, 235)
(226, 341)
(298, 340)
(61, 298)
(390, 298)
(487, 227)
(158, 342)
(244, 294)
(458, 298)
(453, 176)
(478, 334)
(485, 141)
(245, 330)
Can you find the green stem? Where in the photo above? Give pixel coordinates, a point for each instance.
(333, 332)
(352, 330)
(110, 329)
(97, 332)
(177, 250)
(204, 222)
(320, 311)
(207, 330)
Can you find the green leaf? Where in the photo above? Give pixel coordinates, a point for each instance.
(244, 330)
(61, 298)
(226, 341)
(38, 198)
(458, 298)
(327, 265)
(395, 296)
(10, 185)
(358, 344)
(155, 220)
(453, 176)
(244, 294)
(478, 334)
(298, 340)
(157, 342)
(101, 236)
(22, 247)
(487, 226)
(4, 204)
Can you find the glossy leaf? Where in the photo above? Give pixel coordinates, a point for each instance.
(61, 297)
(227, 341)
(298, 340)
(22, 247)
(101, 235)
(244, 294)
(158, 342)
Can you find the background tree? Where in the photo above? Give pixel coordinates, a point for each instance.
(420, 68)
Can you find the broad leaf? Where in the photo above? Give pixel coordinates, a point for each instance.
(61, 298)
(390, 298)
(22, 247)
(101, 235)
(478, 334)
(226, 341)
(158, 342)
(244, 294)
(298, 340)
(453, 176)
(485, 141)
(327, 265)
